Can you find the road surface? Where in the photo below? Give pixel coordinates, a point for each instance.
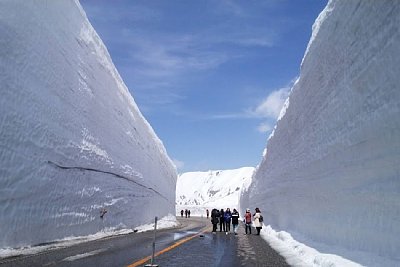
(190, 244)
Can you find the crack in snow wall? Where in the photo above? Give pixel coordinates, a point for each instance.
(131, 179)
(63, 101)
(331, 173)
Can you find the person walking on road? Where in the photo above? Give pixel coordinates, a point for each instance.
(235, 220)
(182, 213)
(247, 221)
(221, 220)
(189, 213)
(228, 216)
(214, 219)
(258, 219)
(208, 213)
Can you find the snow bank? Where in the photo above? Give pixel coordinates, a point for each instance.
(198, 191)
(331, 173)
(72, 140)
(298, 254)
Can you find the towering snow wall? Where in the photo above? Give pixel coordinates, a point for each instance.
(72, 140)
(331, 172)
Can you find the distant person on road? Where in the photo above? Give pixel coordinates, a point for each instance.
(221, 220)
(227, 217)
(189, 213)
(235, 220)
(208, 213)
(247, 221)
(214, 219)
(186, 213)
(182, 213)
(258, 219)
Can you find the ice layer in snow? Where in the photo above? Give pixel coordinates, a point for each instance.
(72, 140)
(331, 173)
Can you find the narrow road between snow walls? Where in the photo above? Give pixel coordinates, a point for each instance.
(192, 242)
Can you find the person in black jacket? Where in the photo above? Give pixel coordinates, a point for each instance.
(222, 220)
(214, 219)
(235, 220)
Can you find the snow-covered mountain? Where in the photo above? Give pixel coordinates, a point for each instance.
(198, 191)
(330, 175)
(72, 140)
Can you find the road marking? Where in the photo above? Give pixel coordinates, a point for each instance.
(176, 244)
(84, 255)
(50, 263)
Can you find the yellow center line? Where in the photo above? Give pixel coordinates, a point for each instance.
(176, 244)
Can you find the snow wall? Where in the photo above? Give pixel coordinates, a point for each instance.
(72, 140)
(330, 175)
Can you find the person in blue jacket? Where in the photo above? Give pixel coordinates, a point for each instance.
(227, 217)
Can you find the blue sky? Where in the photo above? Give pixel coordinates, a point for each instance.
(210, 76)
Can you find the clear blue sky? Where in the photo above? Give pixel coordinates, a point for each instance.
(210, 76)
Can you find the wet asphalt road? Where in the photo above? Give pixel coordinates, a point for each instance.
(207, 249)
(220, 249)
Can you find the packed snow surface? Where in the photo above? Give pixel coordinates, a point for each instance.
(72, 140)
(331, 172)
(198, 191)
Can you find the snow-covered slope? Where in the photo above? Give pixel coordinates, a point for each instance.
(331, 172)
(199, 191)
(72, 140)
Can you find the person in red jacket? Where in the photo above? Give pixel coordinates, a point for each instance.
(247, 221)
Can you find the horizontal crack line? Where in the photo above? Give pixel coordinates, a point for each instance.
(106, 172)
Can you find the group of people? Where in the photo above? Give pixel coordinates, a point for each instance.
(187, 213)
(257, 218)
(225, 217)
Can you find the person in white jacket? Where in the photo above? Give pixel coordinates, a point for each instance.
(258, 220)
